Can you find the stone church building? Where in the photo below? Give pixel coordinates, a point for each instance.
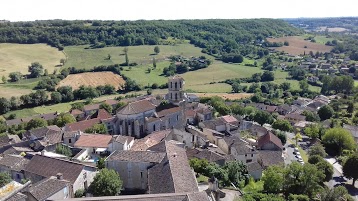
(142, 117)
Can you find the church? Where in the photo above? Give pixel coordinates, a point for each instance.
(142, 117)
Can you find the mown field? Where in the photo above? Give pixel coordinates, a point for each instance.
(17, 57)
(298, 46)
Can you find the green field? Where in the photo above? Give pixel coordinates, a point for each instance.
(80, 57)
(17, 57)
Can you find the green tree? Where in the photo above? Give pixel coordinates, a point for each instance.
(285, 86)
(312, 131)
(350, 168)
(36, 69)
(101, 163)
(297, 138)
(236, 171)
(125, 50)
(46, 72)
(5, 178)
(5, 105)
(80, 193)
(199, 165)
(318, 150)
(325, 112)
(4, 80)
(107, 107)
(36, 123)
(322, 165)
(350, 107)
(311, 116)
(15, 76)
(109, 56)
(334, 194)
(154, 63)
(336, 140)
(282, 125)
(267, 76)
(273, 179)
(63, 119)
(263, 117)
(156, 50)
(106, 183)
(304, 85)
(78, 106)
(56, 97)
(64, 150)
(97, 128)
(62, 62)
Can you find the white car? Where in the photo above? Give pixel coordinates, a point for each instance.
(296, 149)
(300, 160)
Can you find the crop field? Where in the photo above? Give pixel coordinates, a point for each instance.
(80, 57)
(92, 79)
(332, 29)
(225, 95)
(17, 57)
(297, 45)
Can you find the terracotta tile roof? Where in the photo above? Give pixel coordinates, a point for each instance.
(91, 107)
(47, 167)
(103, 114)
(269, 137)
(190, 113)
(137, 156)
(173, 174)
(254, 166)
(82, 125)
(93, 140)
(295, 116)
(268, 158)
(123, 139)
(14, 162)
(229, 119)
(271, 108)
(4, 140)
(167, 110)
(209, 156)
(111, 102)
(150, 140)
(137, 107)
(47, 187)
(76, 112)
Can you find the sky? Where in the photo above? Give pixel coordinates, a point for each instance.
(29, 10)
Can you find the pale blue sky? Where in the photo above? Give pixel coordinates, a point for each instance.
(26, 10)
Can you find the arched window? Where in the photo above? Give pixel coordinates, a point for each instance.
(176, 85)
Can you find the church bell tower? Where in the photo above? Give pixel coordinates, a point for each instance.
(176, 90)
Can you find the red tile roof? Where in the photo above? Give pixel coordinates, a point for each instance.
(76, 112)
(190, 113)
(103, 114)
(229, 119)
(93, 140)
(269, 137)
(82, 125)
(137, 107)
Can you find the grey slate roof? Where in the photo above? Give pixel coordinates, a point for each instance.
(137, 107)
(16, 163)
(47, 187)
(173, 174)
(268, 158)
(16, 197)
(137, 156)
(52, 133)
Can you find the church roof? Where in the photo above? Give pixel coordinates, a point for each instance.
(137, 107)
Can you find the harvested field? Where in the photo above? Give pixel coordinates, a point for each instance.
(332, 29)
(225, 95)
(297, 45)
(92, 79)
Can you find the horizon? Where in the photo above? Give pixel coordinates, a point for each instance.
(23, 10)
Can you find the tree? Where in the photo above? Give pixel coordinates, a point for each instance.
(109, 56)
(286, 43)
(107, 107)
(63, 119)
(263, 117)
(334, 194)
(36, 69)
(97, 128)
(4, 80)
(317, 150)
(62, 62)
(304, 85)
(282, 125)
(282, 136)
(350, 168)
(273, 179)
(311, 116)
(312, 131)
(285, 86)
(5, 178)
(36, 123)
(125, 50)
(237, 171)
(325, 112)
(4, 105)
(156, 50)
(297, 138)
(154, 63)
(64, 150)
(322, 165)
(101, 163)
(46, 72)
(267, 76)
(15, 76)
(350, 108)
(336, 140)
(106, 183)
(56, 97)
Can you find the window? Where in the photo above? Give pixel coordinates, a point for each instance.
(180, 84)
(171, 84)
(176, 85)
(153, 127)
(141, 175)
(69, 140)
(85, 175)
(129, 174)
(176, 96)
(192, 138)
(245, 155)
(177, 117)
(18, 176)
(171, 96)
(252, 155)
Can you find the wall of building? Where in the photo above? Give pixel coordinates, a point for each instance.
(61, 195)
(85, 178)
(269, 146)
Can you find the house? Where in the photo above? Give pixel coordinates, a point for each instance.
(269, 142)
(215, 124)
(315, 105)
(255, 170)
(173, 174)
(41, 167)
(70, 137)
(192, 98)
(53, 188)
(353, 130)
(121, 142)
(132, 167)
(208, 154)
(94, 144)
(294, 118)
(190, 116)
(257, 130)
(301, 101)
(240, 150)
(14, 165)
(6, 141)
(12, 191)
(283, 109)
(91, 109)
(190, 140)
(47, 117)
(78, 114)
(151, 140)
(203, 112)
(48, 134)
(326, 66)
(312, 79)
(99, 118)
(271, 108)
(268, 158)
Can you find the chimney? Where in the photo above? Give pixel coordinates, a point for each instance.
(59, 176)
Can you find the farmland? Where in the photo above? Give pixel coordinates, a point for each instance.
(298, 46)
(17, 57)
(92, 79)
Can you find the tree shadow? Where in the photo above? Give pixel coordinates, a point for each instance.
(153, 54)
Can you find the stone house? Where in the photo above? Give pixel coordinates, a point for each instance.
(53, 188)
(14, 165)
(269, 142)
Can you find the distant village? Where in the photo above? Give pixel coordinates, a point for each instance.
(149, 143)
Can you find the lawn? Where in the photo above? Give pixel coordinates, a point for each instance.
(17, 57)
(202, 179)
(80, 57)
(18, 88)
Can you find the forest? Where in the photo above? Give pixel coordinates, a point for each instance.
(215, 37)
